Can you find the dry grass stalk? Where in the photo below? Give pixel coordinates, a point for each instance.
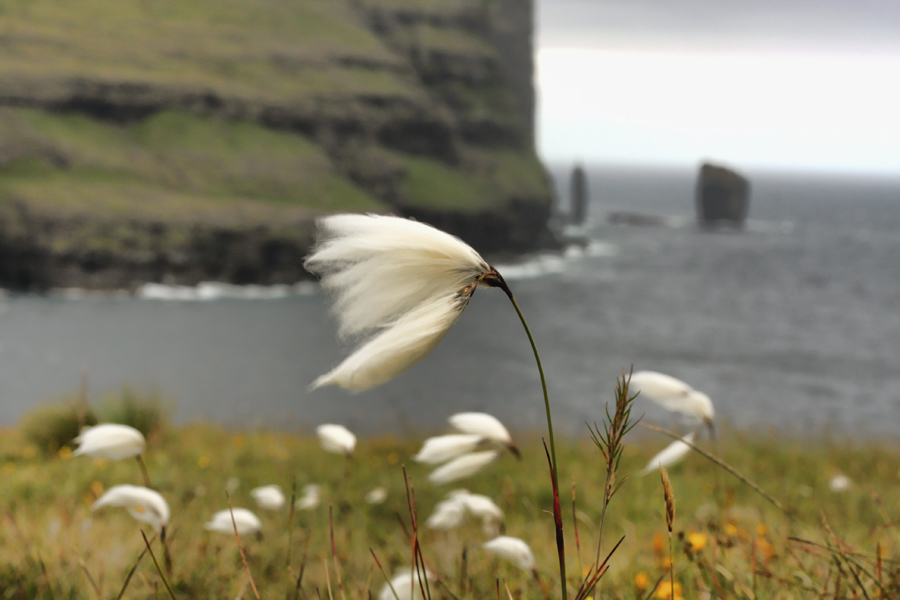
(669, 495)
(240, 547)
(156, 562)
(725, 466)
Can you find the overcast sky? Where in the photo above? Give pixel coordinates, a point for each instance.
(796, 84)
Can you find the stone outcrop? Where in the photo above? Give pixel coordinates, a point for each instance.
(722, 197)
(191, 146)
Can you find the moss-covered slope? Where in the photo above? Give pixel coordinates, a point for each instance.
(183, 140)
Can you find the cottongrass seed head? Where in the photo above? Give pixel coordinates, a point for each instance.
(269, 497)
(512, 549)
(143, 504)
(111, 441)
(336, 439)
(673, 394)
(485, 425)
(671, 454)
(438, 449)
(246, 522)
(398, 284)
(462, 467)
(407, 585)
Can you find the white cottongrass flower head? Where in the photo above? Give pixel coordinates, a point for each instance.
(406, 584)
(442, 448)
(398, 284)
(673, 394)
(377, 495)
(312, 496)
(447, 514)
(487, 426)
(670, 455)
(269, 497)
(512, 549)
(336, 439)
(143, 504)
(463, 466)
(111, 441)
(839, 483)
(478, 505)
(246, 522)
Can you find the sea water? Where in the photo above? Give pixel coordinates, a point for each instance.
(792, 324)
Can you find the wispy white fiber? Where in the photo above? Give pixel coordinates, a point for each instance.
(336, 439)
(111, 441)
(269, 497)
(312, 496)
(142, 503)
(478, 505)
(462, 467)
(442, 448)
(398, 284)
(671, 454)
(512, 549)
(377, 495)
(672, 394)
(247, 523)
(447, 514)
(406, 584)
(483, 424)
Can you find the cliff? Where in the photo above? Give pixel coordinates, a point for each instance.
(184, 140)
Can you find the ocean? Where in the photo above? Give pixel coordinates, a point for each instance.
(791, 325)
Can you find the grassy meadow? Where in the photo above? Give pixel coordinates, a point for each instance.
(727, 542)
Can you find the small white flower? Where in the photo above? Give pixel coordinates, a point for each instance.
(336, 439)
(671, 454)
(485, 425)
(111, 441)
(398, 284)
(143, 503)
(312, 495)
(247, 523)
(448, 514)
(839, 483)
(672, 394)
(512, 549)
(269, 497)
(442, 448)
(377, 495)
(479, 506)
(463, 466)
(406, 585)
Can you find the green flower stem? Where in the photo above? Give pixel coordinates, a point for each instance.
(537, 357)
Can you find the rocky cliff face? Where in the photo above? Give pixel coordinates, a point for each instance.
(181, 140)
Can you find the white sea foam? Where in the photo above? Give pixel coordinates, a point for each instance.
(212, 290)
(539, 265)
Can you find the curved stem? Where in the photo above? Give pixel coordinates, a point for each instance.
(537, 358)
(555, 472)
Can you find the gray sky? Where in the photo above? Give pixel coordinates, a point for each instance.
(764, 83)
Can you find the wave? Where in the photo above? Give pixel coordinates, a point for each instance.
(539, 265)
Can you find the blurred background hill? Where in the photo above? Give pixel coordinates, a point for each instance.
(183, 141)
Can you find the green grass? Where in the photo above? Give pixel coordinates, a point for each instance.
(170, 166)
(745, 547)
(487, 182)
(272, 50)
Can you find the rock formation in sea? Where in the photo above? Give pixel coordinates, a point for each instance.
(188, 141)
(722, 196)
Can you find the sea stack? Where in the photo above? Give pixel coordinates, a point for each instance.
(578, 191)
(723, 197)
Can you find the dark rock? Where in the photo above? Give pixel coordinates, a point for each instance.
(578, 192)
(722, 196)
